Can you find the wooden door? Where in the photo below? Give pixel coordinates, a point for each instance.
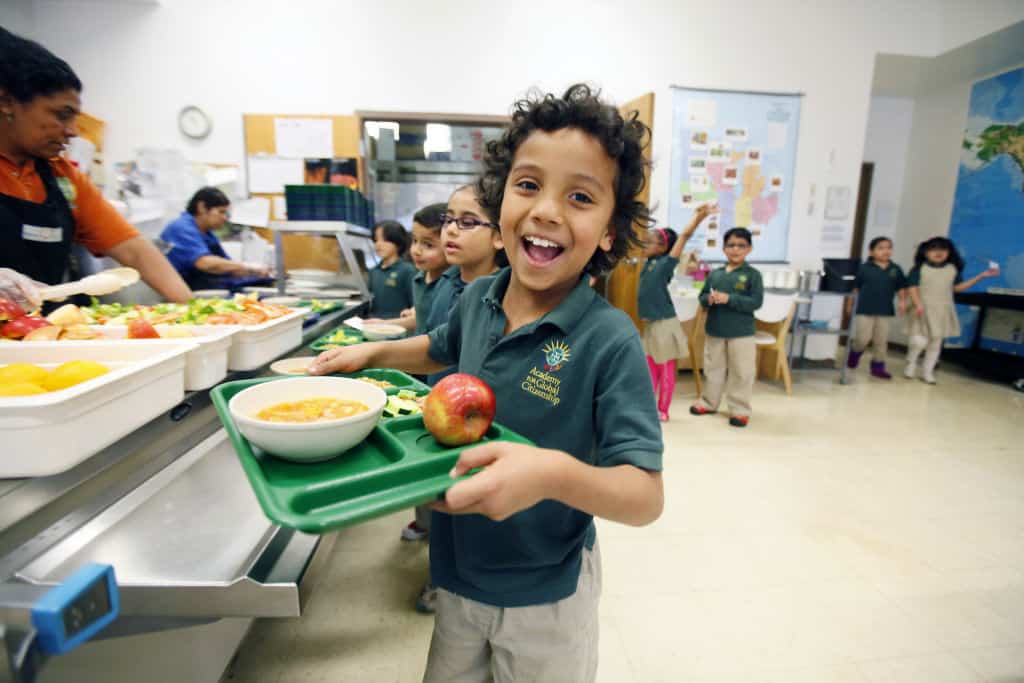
(623, 282)
(860, 218)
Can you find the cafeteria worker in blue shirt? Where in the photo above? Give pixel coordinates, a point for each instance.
(196, 252)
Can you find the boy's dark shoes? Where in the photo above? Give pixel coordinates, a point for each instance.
(739, 420)
(697, 409)
(853, 359)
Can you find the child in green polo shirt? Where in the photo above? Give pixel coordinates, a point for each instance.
(427, 253)
(513, 548)
(878, 281)
(663, 337)
(391, 279)
(731, 294)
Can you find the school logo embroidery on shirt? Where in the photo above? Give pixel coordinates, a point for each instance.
(742, 284)
(556, 354)
(68, 189)
(543, 384)
(392, 280)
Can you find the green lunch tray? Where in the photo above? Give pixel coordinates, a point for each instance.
(396, 377)
(322, 344)
(398, 466)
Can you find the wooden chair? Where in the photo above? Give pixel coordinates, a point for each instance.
(773, 321)
(695, 341)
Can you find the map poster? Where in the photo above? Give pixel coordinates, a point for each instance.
(987, 223)
(742, 146)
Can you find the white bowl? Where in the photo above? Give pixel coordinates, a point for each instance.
(210, 294)
(292, 366)
(306, 441)
(378, 331)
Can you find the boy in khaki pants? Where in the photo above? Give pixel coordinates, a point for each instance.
(731, 295)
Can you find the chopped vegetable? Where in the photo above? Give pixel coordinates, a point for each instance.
(405, 402)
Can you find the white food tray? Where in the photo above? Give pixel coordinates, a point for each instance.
(205, 365)
(256, 345)
(50, 433)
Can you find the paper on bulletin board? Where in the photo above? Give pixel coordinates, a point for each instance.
(269, 174)
(301, 138)
(254, 212)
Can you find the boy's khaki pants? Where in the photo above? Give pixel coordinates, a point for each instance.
(552, 643)
(873, 330)
(729, 364)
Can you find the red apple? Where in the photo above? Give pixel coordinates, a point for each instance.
(459, 410)
(141, 329)
(19, 327)
(10, 310)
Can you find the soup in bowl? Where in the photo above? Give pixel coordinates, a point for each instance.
(308, 419)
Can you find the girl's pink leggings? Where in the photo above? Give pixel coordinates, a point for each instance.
(663, 375)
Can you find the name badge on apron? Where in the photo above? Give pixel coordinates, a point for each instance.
(35, 233)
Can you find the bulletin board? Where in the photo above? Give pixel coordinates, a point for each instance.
(261, 147)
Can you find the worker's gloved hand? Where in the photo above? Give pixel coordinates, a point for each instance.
(20, 289)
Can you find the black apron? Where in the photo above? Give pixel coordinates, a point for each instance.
(35, 239)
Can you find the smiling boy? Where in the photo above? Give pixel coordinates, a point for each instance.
(513, 548)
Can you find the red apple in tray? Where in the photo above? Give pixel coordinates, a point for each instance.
(459, 410)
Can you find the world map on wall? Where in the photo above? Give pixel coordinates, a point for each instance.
(988, 210)
(987, 224)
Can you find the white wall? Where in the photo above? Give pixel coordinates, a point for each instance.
(885, 145)
(142, 64)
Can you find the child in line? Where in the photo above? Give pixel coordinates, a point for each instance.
(663, 337)
(472, 248)
(427, 254)
(391, 279)
(878, 281)
(513, 548)
(731, 294)
(936, 275)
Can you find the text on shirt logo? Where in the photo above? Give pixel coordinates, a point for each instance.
(543, 384)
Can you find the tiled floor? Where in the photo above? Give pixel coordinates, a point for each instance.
(870, 533)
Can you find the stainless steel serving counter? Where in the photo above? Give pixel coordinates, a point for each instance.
(196, 560)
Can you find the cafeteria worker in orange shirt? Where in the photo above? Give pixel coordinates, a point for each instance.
(46, 204)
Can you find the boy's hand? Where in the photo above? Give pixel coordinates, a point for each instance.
(344, 359)
(719, 298)
(515, 477)
(407, 313)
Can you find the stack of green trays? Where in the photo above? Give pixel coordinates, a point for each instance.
(398, 466)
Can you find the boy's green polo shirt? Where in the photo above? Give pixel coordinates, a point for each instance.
(575, 380)
(391, 288)
(423, 295)
(653, 297)
(746, 294)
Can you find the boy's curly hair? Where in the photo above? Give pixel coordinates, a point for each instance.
(624, 139)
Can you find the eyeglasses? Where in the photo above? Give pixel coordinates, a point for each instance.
(466, 222)
(737, 245)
